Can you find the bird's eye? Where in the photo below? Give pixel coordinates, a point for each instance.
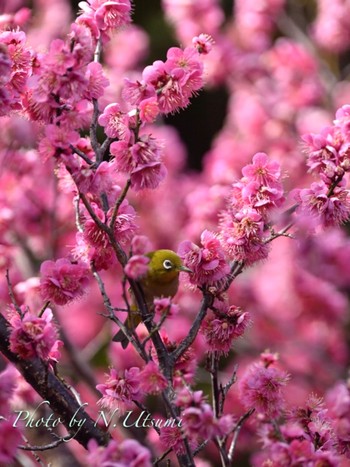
(167, 264)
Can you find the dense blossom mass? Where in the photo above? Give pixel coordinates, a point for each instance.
(237, 344)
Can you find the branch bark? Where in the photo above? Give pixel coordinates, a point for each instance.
(51, 389)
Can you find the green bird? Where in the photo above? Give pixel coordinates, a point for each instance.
(161, 280)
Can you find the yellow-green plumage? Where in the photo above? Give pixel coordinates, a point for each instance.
(161, 280)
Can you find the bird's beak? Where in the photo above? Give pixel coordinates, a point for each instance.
(185, 269)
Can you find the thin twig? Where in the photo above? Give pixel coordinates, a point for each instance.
(118, 203)
(207, 301)
(224, 389)
(162, 457)
(214, 361)
(81, 154)
(144, 409)
(157, 326)
(236, 431)
(46, 447)
(12, 295)
(41, 312)
(114, 318)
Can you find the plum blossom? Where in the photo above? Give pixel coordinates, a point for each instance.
(221, 328)
(32, 336)
(242, 235)
(207, 263)
(8, 384)
(124, 227)
(137, 266)
(261, 388)
(152, 381)
(142, 161)
(127, 453)
(115, 122)
(105, 15)
(165, 305)
(10, 439)
(120, 389)
(328, 207)
(63, 281)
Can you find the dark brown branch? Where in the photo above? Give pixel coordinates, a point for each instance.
(51, 389)
(81, 154)
(207, 302)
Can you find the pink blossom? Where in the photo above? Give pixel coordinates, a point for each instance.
(148, 176)
(102, 258)
(207, 263)
(115, 122)
(222, 328)
(120, 389)
(127, 453)
(124, 227)
(62, 281)
(171, 438)
(242, 236)
(34, 337)
(186, 398)
(326, 207)
(8, 384)
(261, 388)
(331, 27)
(57, 141)
(175, 80)
(140, 244)
(203, 43)
(149, 109)
(199, 423)
(141, 160)
(152, 381)
(165, 305)
(96, 81)
(110, 14)
(106, 15)
(262, 170)
(10, 439)
(136, 92)
(137, 266)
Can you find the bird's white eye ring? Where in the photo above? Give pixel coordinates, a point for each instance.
(167, 264)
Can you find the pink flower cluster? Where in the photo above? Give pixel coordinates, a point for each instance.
(207, 263)
(65, 81)
(327, 201)
(10, 436)
(331, 27)
(31, 336)
(103, 17)
(127, 453)
(253, 198)
(141, 160)
(120, 389)
(309, 436)
(198, 420)
(93, 243)
(225, 324)
(255, 22)
(261, 387)
(168, 86)
(16, 61)
(62, 281)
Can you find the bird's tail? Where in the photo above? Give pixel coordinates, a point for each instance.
(133, 320)
(121, 337)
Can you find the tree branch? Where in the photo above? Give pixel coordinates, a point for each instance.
(51, 389)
